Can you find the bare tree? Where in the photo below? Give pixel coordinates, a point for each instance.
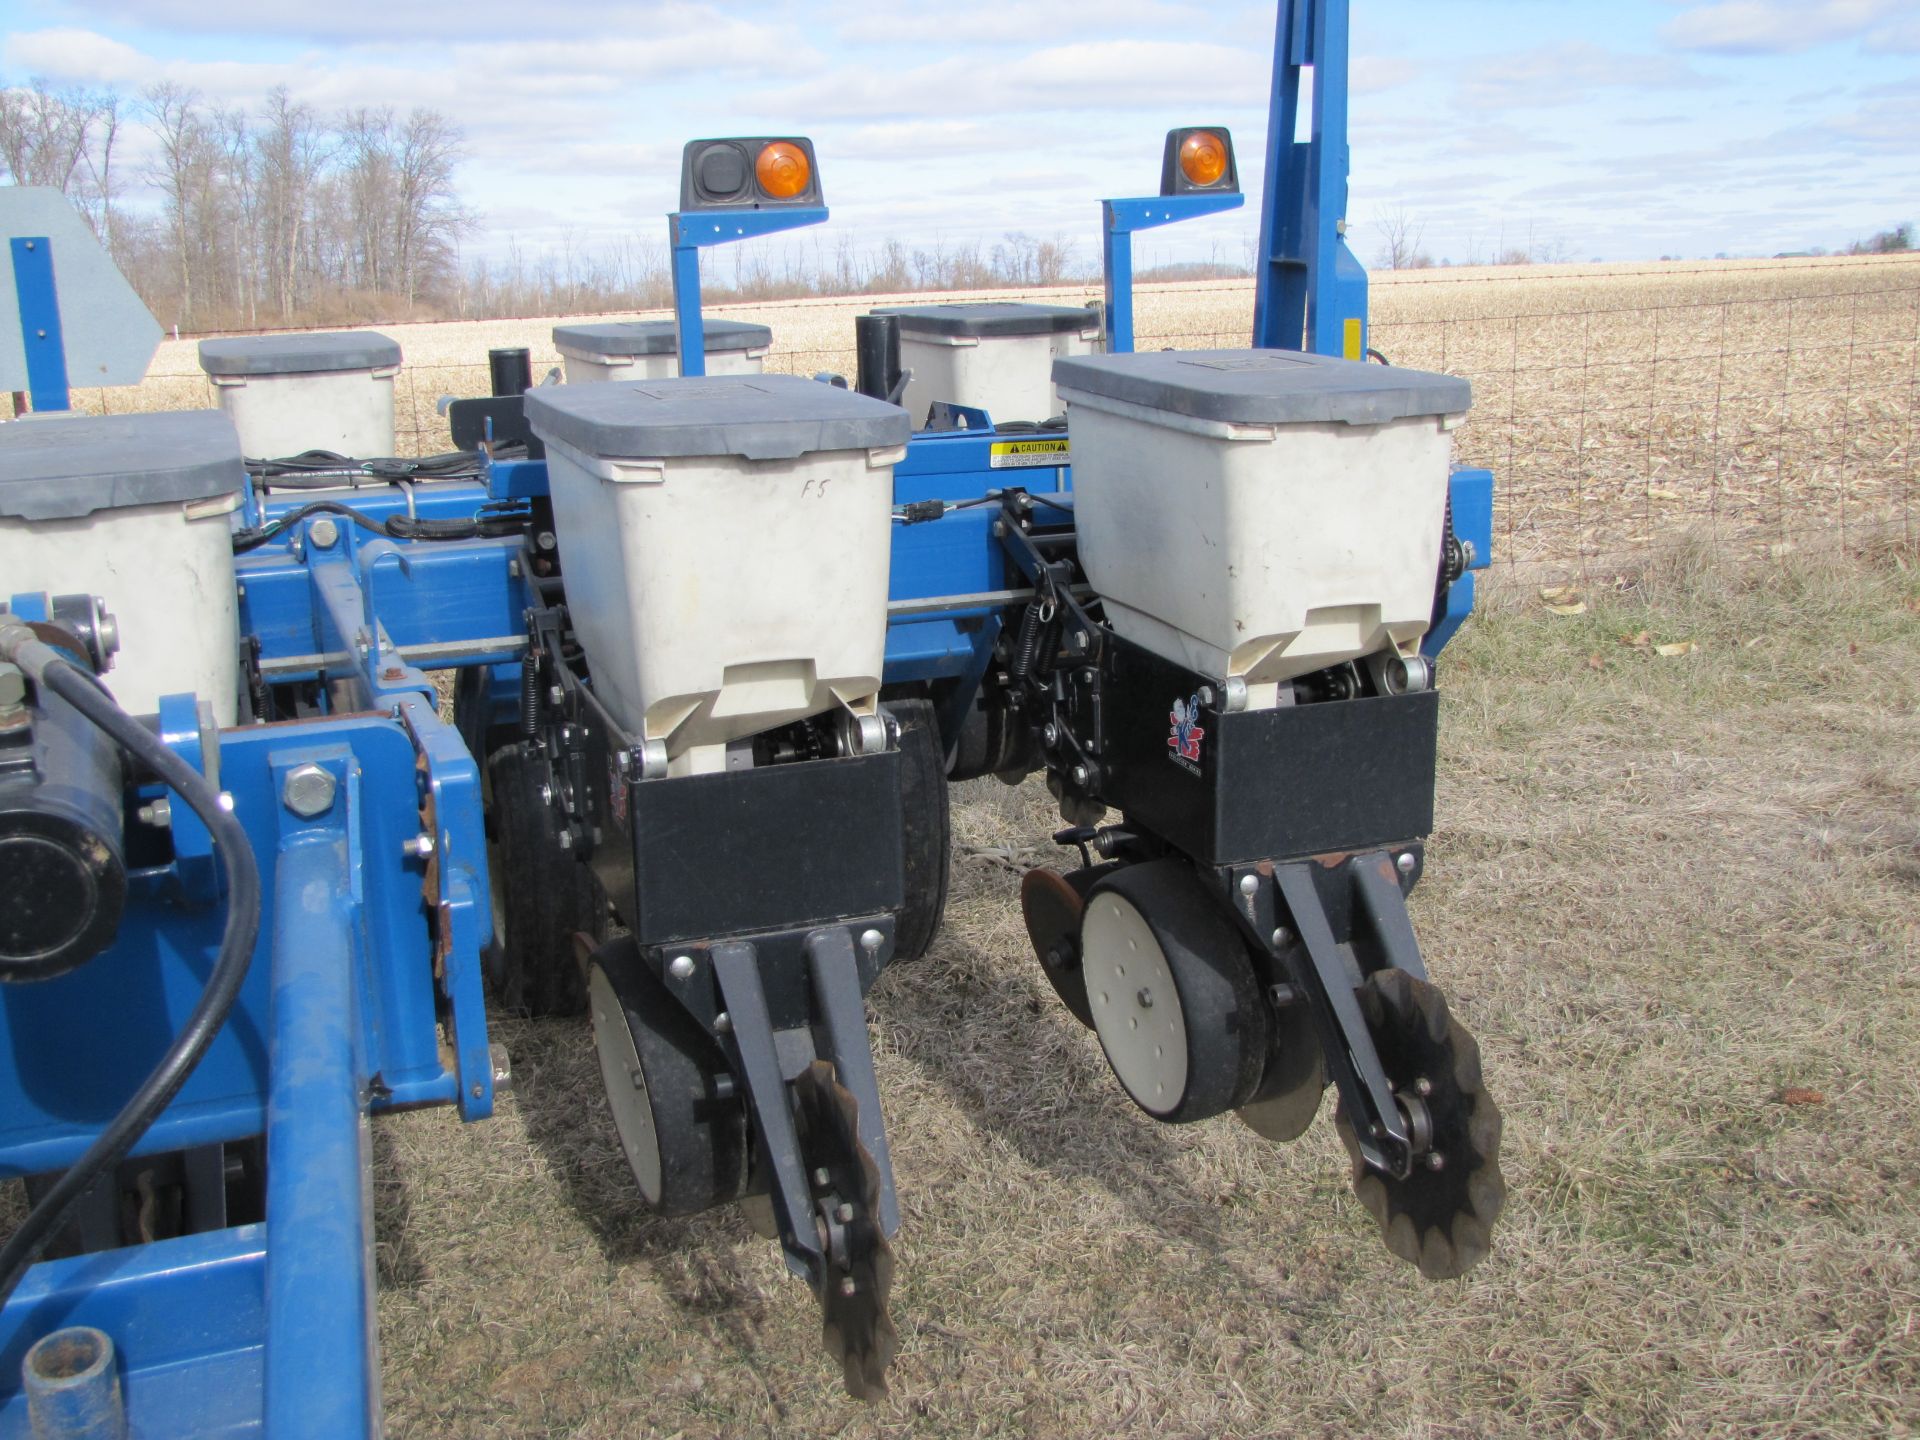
(428, 218)
(1400, 240)
(292, 149)
(97, 155)
(178, 171)
(43, 134)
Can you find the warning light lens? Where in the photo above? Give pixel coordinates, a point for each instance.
(1203, 158)
(782, 170)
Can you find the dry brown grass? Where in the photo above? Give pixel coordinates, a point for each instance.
(1663, 892)
(1766, 404)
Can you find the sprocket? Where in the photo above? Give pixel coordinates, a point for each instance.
(1441, 1216)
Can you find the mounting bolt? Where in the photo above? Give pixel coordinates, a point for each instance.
(308, 791)
(1205, 696)
(556, 695)
(871, 941)
(1249, 885)
(848, 1287)
(1406, 862)
(1281, 935)
(845, 1213)
(681, 968)
(1436, 1161)
(564, 839)
(394, 672)
(1423, 1086)
(157, 813)
(502, 1064)
(1282, 995)
(418, 847)
(1145, 998)
(1050, 734)
(323, 532)
(1081, 775)
(723, 1022)
(823, 1176)
(1081, 639)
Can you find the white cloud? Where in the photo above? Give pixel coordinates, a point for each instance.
(1569, 73)
(1788, 27)
(1106, 75)
(435, 21)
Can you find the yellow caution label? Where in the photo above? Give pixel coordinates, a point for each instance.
(1027, 454)
(1351, 347)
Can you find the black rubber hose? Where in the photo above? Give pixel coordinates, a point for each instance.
(49, 668)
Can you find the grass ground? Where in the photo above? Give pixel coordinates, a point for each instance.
(1676, 896)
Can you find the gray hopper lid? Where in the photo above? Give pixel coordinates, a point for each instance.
(994, 318)
(759, 417)
(655, 337)
(64, 468)
(1264, 387)
(317, 354)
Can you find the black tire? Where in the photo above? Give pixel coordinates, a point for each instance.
(544, 897)
(927, 835)
(687, 1147)
(1221, 1022)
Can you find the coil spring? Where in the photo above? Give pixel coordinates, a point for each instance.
(1026, 644)
(530, 694)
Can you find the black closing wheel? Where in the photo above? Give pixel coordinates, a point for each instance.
(1441, 1216)
(927, 834)
(686, 1142)
(1053, 905)
(1288, 1097)
(543, 897)
(1172, 991)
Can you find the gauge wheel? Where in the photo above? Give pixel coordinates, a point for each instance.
(680, 1121)
(1173, 993)
(543, 897)
(926, 830)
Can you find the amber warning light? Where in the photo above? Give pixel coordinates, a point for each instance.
(1199, 158)
(761, 172)
(782, 170)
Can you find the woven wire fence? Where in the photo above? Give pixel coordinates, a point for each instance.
(1754, 425)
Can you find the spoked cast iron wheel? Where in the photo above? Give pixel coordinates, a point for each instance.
(1172, 992)
(543, 897)
(686, 1142)
(1441, 1216)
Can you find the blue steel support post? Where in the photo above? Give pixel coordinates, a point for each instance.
(691, 232)
(1118, 220)
(1116, 265)
(40, 334)
(1310, 291)
(689, 332)
(320, 1370)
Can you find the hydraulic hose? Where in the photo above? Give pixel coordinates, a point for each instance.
(47, 667)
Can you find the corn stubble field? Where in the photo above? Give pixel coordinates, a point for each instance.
(1675, 892)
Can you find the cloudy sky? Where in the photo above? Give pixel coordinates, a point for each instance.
(1612, 128)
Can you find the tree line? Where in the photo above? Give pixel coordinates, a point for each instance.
(280, 216)
(267, 217)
